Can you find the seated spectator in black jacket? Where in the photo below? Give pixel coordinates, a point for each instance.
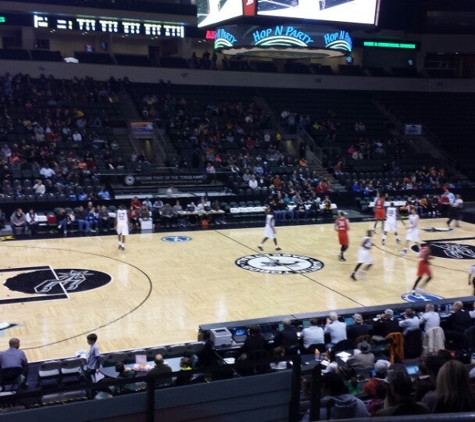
(161, 368)
(359, 328)
(287, 338)
(459, 320)
(386, 324)
(254, 341)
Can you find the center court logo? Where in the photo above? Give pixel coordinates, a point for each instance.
(279, 263)
(452, 250)
(71, 280)
(420, 297)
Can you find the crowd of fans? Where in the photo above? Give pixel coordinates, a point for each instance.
(375, 378)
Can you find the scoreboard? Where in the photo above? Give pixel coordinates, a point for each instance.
(94, 24)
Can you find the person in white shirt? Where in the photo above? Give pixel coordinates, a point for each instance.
(253, 183)
(429, 318)
(39, 187)
(77, 137)
(412, 231)
(472, 313)
(364, 255)
(335, 329)
(47, 171)
(32, 221)
(122, 225)
(455, 211)
(410, 322)
(313, 334)
(390, 224)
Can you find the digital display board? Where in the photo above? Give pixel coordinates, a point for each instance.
(308, 39)
(363, 12)
(108, 25)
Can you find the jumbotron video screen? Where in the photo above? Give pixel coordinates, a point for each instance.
(214, 12)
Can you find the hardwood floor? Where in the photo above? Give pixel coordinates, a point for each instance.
(158, 292)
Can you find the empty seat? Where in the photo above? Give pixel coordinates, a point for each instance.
(175, 351)
(50, 370)
(72, 370)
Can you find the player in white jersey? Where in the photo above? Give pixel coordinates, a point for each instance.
(364, 255)
(122, 225)
(269, 230)
(471, 277)
(412, 230)
(390, 224)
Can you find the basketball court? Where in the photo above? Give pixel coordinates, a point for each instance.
(164, 285)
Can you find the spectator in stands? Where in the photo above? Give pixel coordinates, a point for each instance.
(287, 338)
(18, 222)
(13, 357)
(381, 368)
(104, 194)
(358, 328)
(167, 215)
(65, 220)
(32, 221)
(133, 217)
(254, 342)
(39, 188)
(47, 172)
(2, 219)
(144, 214)
(6, 152)
(455, 394)
(459, 320)
(124, 373)
(253, 183)
(135, 203)
(157, 204)
(336, 403)
(104, 221)
(184, 375)
(430, 318)
(335, 329)
(399, 399)
(92, 218)
(386, 324)
(146, 202)
(161, 372)
(312, 335)
(362, 357)
(410, 322)
(83, 224)
(278, 363)
(177, 213)
(425, 387)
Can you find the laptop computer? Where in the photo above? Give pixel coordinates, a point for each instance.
(412, 369)
(349, 321)
(305, 323)
(239, 334)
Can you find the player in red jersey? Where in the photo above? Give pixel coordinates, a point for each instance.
(342, 226)
(423, 266)
(379, 211)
